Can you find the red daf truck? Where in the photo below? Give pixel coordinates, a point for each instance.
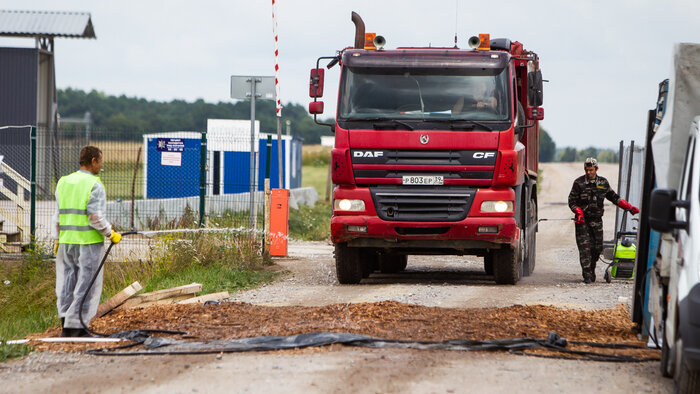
(436, 152)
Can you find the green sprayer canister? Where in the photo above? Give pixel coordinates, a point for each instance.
(624, 261)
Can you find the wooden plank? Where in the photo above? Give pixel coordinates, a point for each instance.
(165, 301)
(118, 299)
(206, 297)
(162, 294)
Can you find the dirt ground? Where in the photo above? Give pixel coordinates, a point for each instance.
(437, 298)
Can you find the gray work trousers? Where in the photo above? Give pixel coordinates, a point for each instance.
(75, 267)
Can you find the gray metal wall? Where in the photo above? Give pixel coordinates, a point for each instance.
(18, 106)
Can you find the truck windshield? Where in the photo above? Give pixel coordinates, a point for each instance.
(424, 94)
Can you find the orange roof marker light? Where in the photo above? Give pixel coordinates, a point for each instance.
(485, 43)
(369, 40)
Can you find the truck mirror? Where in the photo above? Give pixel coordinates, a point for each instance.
(535, 113)
(662, 212)
(316, 107)
(534, 88)
(316, 83)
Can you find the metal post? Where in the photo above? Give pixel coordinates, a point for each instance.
(253, 81)
(266, 238)
(279, 153)
(32, 215)
(202, 177)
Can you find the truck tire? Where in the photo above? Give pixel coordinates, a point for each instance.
(369, 259)
(530, 239)
(392, 263)
(488, 263)
(686, 379)
(348, 267)
(507, 265)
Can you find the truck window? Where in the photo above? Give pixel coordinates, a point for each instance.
(424, 94)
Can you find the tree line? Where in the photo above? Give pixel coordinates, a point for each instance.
(550, 153)
(124, 116)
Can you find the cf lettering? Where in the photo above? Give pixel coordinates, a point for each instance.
(483, 155)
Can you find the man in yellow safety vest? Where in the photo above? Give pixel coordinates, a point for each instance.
(80, 226)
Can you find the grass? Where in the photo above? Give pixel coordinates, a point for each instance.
(311, 223)
(316, 177)
(219, 261)
(13, 351)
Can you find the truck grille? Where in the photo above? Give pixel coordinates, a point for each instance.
(401, 203)
(370, 165)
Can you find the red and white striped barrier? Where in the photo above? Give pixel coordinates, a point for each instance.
(277, 65)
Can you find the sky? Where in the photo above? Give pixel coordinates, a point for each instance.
(603, 58)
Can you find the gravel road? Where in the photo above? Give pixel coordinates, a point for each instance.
(443, 281)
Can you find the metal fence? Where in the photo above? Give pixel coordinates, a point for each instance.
(631, 172)
(155, 182)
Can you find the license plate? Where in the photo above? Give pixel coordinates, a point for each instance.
(422, 180)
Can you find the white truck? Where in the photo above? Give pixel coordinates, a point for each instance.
(667, 288)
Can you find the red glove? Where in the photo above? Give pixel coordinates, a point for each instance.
(625, 205)
(579, 215)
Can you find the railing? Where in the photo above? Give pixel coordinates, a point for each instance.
(20, 205)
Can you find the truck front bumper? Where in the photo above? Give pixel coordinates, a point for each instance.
(470, 233)
(689, 321)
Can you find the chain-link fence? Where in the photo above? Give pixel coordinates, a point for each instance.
(156, 183)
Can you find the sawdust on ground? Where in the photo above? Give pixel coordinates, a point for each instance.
(387, 319)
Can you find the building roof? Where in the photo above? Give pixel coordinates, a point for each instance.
(46, 24)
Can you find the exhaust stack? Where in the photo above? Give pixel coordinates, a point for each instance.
(359, 30)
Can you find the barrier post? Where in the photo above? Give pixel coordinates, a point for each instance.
(279, 222)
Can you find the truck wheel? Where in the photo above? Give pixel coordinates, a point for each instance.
(392, 263)
(369, 259)
(488, 263)
(687, 380)
(507, 265)
(530, 239)
(348, 267)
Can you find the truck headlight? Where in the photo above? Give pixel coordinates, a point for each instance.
(348, 205)
(497, 206)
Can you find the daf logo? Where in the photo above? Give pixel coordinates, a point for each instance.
(368, 153)
(424, 139)
(483, 155)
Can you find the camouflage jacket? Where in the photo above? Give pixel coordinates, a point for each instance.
(589, 195)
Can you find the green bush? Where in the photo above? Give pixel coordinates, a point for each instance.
(311, 223)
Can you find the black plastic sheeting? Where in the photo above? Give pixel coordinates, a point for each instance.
(169, 346)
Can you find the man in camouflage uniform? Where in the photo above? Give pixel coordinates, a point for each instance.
(586, 200)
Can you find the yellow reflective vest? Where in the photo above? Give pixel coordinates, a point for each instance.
(73, 193)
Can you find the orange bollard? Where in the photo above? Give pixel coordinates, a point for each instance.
(279, 222)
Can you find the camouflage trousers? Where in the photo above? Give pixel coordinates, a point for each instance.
(589, 239)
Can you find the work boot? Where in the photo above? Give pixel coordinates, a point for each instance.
(82, 333)
(587, 280)
(74, 333)
(68, 332)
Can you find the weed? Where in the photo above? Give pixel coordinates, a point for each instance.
(13, 351)
(311, 223)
